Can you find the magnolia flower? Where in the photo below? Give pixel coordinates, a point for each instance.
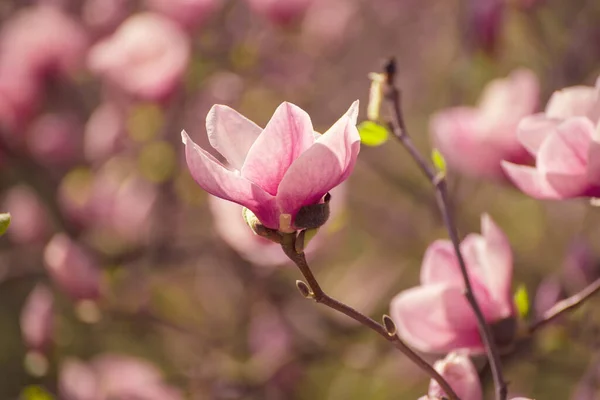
(37, 318)
(104, 132)
(233, 229)
(55, 139)
(474, 140)
(280, 12)
(188, 13)
(147, 56)
(436, 317)
(565, 141)
(112, 376)
(103, 15)
(485, 18)
(276, 171)
(460, 373)
(72, 268)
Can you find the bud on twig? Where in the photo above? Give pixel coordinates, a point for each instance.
(389, 325)
(305, 290)
(313, 216)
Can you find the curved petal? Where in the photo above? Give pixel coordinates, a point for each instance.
(533, 130)
(435, 318)
(566, 151)
(593, 161)
(326, 164)
(574, 102)
(288, 134)
(440, 265)
(231, 134)
(229, 185)
(497, 263)
(530, 181)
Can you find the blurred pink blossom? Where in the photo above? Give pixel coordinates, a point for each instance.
(565, 141)
(55, 139)
(188, 13)
(436, 317)
(103, 15)
(460, 373)
(277, 170)
(485, 23)
(133, 202)
(41, 40)
(327, 23)
(113, 376)
(29, 221)
(103, 132)
(72, 268)
(35, 42)
(281, 12)
(147, 56)
(474, 140)
(232, 228)
(37, 318)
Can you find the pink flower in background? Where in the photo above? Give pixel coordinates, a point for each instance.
(29, 221)
(474, 140)
(39, 40)
(281, 12)
(55, 139)
(436, 317)
(565, 141)
(146, 57)
(232, 228)
(113, 376)
(104, 132)
(72, 268)
(277, 170)
(458, 370)
(485, 22)
(37, 318)
(103, 15)
(188, 13)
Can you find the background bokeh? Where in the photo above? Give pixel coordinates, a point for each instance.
(90, 150)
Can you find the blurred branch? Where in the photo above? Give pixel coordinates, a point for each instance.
(565, 305)
(398, 128)
(387, 332)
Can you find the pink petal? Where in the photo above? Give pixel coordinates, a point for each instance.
(231, 134)
(497, 263)
(440, 265)
(323, 166)
(533, 130)
(593, 162)
(435, 318)
(530, 181)
(287, 135)
(574, 102)
(229, 185)
(566, 151)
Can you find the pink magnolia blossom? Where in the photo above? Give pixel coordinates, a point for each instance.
(474, 140)
(146, 57)
(460, 373)
(281, 12)
(565, 141)
(30, 222)
(277, 170)
(37, 318)
(55, 139)
(72, 268)
(436, 317)
(486, 19)
(113, 376)
(233, 229)
(104, 132)
(103, 15)
(188, 13)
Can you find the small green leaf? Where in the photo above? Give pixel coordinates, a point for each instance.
(35, 392)
(372, 134)
(4, 222)
(521, 299)
(438, 160)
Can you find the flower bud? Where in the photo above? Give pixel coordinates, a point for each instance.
(458, 370)
(37, 318)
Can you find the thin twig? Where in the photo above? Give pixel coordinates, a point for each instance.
(398, 128)
(565, 305)
(289, 247)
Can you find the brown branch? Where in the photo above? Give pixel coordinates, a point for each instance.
(565, 305)
(398, 128)
(289, 247)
